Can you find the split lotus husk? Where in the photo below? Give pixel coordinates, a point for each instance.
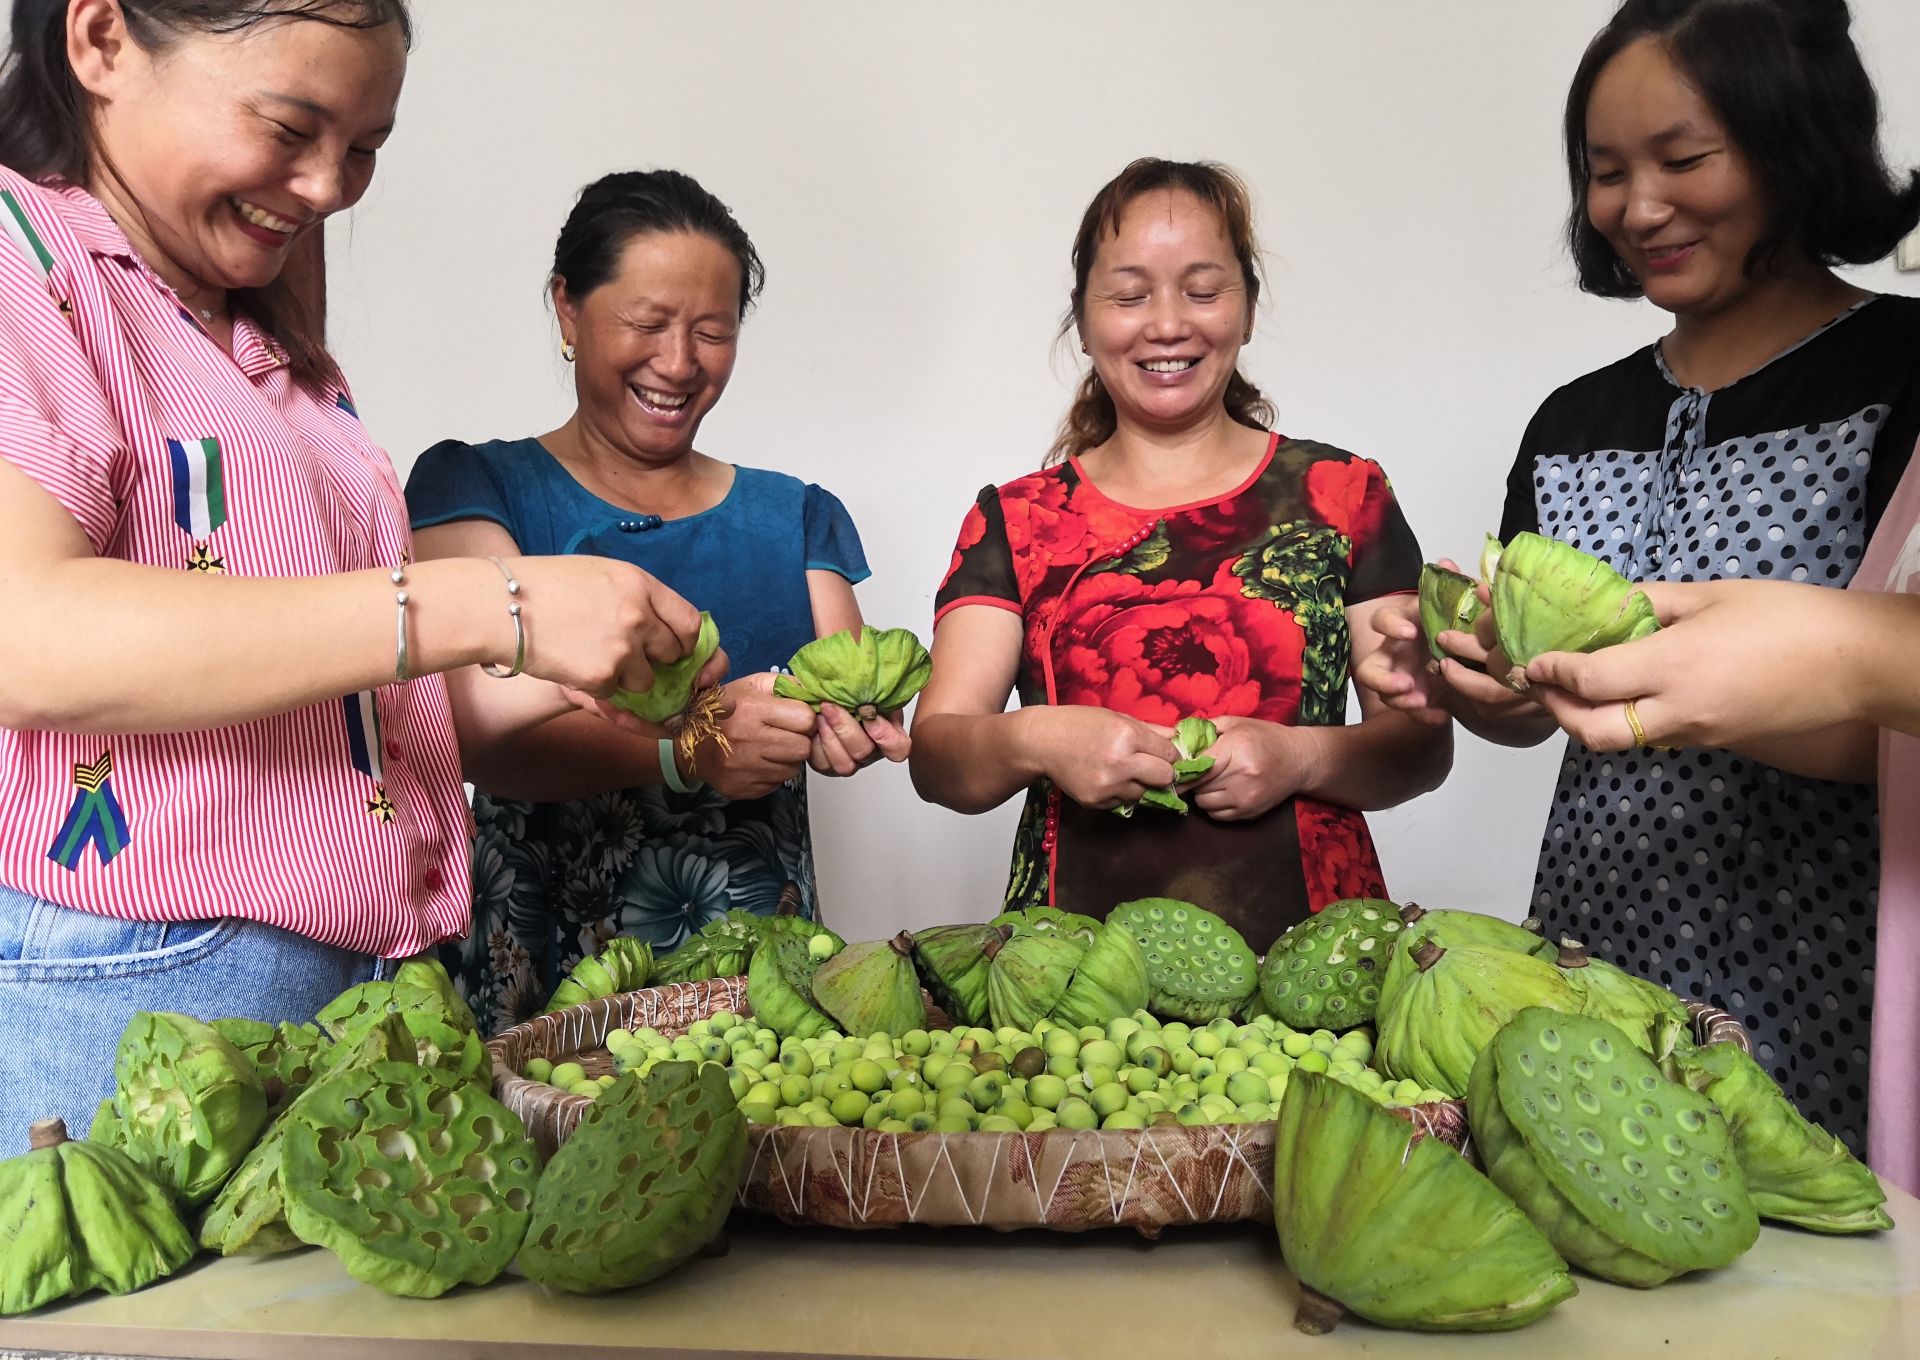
(1642, 1011)
(1449, 928)
(953, 964)
(870, 676)
(623, 964)
(780, 978)
(871, 988)
(672, 688)
(1109, 982)
(1448, 601)
(1551, 597)
(189, 1104)
(1028, 975)
(1434, 1025)
(1049, 921)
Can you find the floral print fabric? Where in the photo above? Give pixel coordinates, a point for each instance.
(1232, 607)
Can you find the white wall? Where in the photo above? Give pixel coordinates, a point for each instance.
(913, 174)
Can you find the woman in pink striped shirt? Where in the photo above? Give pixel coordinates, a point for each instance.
(229, 774)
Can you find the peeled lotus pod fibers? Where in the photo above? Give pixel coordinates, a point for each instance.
(622, 965)
(1049, 921)
(871, 988)
(1631, 1176)
(699, 959)
(953, 964)
(1449, 929)
(1027, 976)
(1551, 597)
(249, 1215)
(1326, 971)
(1606, 992)
(780, 979)
(190, 1105)
(672, 688)
(1198, 967)
(356, 1010)
(79, 1216)
(1795, 1170)
(432, 974)
(1434, 1028)
(1449, 601)
(871, 676)
(286, 1057)
(416, 1180)
(1397, 1227)
(643, 1183)
(1110, 982)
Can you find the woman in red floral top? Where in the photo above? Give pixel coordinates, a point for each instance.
(1175, 558)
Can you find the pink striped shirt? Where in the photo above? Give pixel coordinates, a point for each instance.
(345, 821)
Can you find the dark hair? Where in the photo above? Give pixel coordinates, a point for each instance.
(616, 208)
(45, 131)
(1786, 80)
(1091, 421)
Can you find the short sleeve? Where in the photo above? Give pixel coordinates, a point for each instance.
(833, 544)
(452, 481)
(982, 568)
(1521, 512)
(1386, 555)
(55, 422)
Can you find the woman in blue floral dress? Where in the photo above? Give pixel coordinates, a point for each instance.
(583, 829)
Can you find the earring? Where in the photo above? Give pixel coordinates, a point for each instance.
(1083, 347)
(1247, 339)
(567, 350)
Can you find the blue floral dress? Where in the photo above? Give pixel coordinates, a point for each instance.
(553, 881)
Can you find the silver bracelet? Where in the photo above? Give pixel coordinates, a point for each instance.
(519, 629)
(399, 578)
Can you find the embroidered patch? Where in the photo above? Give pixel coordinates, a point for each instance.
(199, 488)
(202, 559)
(94, 817)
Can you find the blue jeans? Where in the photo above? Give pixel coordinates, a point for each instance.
(70, 981)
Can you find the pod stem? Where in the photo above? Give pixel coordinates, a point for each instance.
(1427, 953)
(1317, 1314)
(1573, 953)
(46, 1133)
(993, 947)
(903, 944)
(1412, 912)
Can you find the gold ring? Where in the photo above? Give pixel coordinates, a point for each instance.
(1633, 722)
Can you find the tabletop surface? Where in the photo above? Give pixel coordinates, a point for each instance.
(973, 1294)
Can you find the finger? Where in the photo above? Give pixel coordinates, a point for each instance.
(890, 738)
(760, 682)
(1466, 646)
(827, 742)
(1480, 689)
(1598, 727)
(848, 733)
(1148, 771)
(679, 618)
(714, 671)
(1614, 673)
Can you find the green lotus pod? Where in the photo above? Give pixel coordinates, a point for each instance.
(869, 676)
(953, 965)
(285, 1057)
(359, 1008)
(1049, 921)
(1448, 601)
(642, 1184)
(432, 975)
(107, 1126)
(780, 979)
(672, 688)
(1433, 1028)
(1795, 1170)
(1631, 1176)
(248, 1216)
(700, 958)
(1396, 1227)
(1325, 972)
(416, 1180)
(80, 1216)
(1551, 597)
(1191, 738)
(190, 1105)
(1640, 1009)
(1450, 929)
(623, 964)
(1489, 559)
(1110, 982)
(1028, 975)
(1198, 967)
(871, 988)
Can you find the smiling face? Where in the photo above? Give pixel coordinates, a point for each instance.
(217, 151)
(1165, 312)
(655, 344)
(1667, 188)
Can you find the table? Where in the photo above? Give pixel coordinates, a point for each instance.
(968, 1294)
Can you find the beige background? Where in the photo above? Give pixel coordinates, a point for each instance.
(913, 173)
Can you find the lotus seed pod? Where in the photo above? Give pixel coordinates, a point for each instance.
(1631, 1176)
(871, 676)
(780, 979)
(190, 1105)
(1110, 981)
(1450, 929)
(1640, 1009)
(286, 1057)
(432, 975)
(623, 965)
(1551, 597)
(416, 1180)
(672, 688)
(698, 959)
(1449, 601)
(1198, 967)
(1325, 972)
(1028, 975)
(871, 988)
(1432, 1029)
(1049, 921)
(1795, 1170)
(77, 1216)
(642, 1184)
(953, 964)
(1397, 1227)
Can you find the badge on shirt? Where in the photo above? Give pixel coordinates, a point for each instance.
(199, 489)
(95, 817)
(364, 749)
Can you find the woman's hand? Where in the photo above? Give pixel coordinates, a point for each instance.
(771, 739)
(1399, 668)
(1098, 758)
(595, 624)
(842, 744)
(1256, 766)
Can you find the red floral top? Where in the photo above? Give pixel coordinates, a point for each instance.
(1234, 606)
